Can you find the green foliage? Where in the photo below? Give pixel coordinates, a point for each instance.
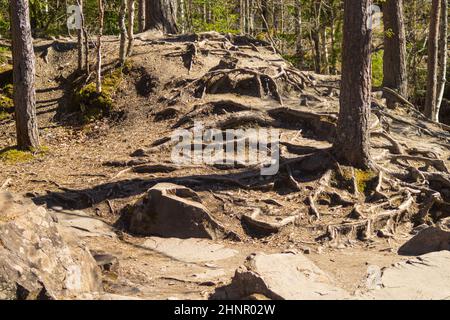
(226, 19)
(377, 68)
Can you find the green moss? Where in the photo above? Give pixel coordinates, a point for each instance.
(13, 155)
(364, 178)
(93, 105)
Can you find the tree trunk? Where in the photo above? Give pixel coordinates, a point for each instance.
(161, 15)
(130, 27)
(23, 76)
(80, 43)
(442, 56)
(101, 13)
(123, 31)
(298, 32)
(431, 98)
(141, 16)
(352, 137)
(86, 40)
(394, 58)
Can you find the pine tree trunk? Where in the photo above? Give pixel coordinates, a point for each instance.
(431, 98)
(141, 16)
(23, 76)
(123, 31)
(394, 58)
(101, 11)
(352, 137)
(443, 48)
(130, 27)
(161, 15)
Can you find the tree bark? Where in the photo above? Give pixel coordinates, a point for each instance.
(298, 32)
(394, 58)
(80, 42)
(23, 76)
(352, 137)
(101, 13)
(123, 31)
(141, 16)
(161, 15)
(431, 99)
(130, 27)
(442, 56)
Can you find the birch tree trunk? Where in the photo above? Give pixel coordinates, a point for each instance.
(443, 48)
(23, 76)
(431, 98)
(130, 27)
(101, 13)
(351, 145)
(123, 31)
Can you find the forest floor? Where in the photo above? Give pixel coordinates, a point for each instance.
(99, 167)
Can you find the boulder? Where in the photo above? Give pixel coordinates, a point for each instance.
(282, 276)
(38, 260)
(427, 240)
(423, 277)
(170, 210)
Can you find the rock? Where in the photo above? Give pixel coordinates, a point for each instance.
(189, 250)
(169, 210)
(81, 224)
(424, 277)
(427, 240)
(38, 260)
(106, 262)
(282, 276)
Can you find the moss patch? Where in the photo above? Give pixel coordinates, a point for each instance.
(6, 102)
(12, 155)
(364, 178)
(93, 105)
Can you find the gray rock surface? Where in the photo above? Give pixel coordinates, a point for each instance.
(38, 260)
(423, 277)
(169, 210)
(189, 250)
(283, 276)
(82, 224)
(427, 240)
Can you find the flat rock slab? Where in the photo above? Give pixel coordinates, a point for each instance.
(425, 277)
(170, 210)
(283, 276)
(83, 225)
(189, 250)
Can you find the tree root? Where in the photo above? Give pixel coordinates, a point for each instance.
(265, 227)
